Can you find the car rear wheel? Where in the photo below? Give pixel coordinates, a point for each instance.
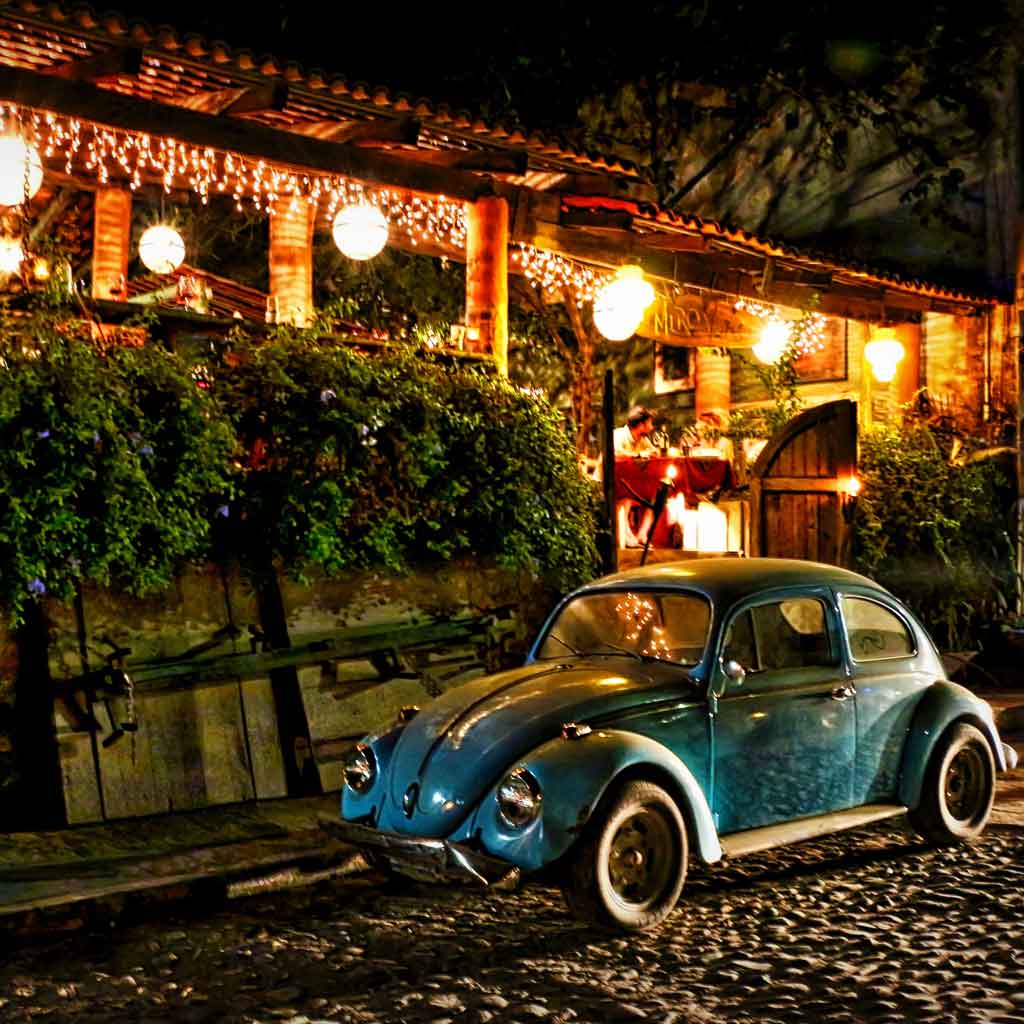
(959, 787)
(628, 869)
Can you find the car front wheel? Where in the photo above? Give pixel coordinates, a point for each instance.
(628, 869)
(959, 787)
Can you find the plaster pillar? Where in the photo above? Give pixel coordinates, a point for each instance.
(111, 242)
(291, 261)
(487, 279)
(713, 386)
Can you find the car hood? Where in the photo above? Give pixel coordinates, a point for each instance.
(458, 747)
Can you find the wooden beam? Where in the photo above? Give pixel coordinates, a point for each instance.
(601, 220)
(246, 138)
(256, 99)
(511, 161)
(387, 130)
(119, 60)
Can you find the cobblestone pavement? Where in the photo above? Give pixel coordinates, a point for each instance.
(866, 926)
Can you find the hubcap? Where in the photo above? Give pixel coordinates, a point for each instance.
(965, 783)
(640, 860)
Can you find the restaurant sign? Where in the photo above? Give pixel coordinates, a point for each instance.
(690, 319)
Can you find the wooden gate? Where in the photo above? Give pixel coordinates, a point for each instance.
(798, 488)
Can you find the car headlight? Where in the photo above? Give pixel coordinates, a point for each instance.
(360, 768)
(519, 798)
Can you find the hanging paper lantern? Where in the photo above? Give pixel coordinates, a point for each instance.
(11, 255)
(21, 170)
(774, 340)
(360, 231)
(161, 249)
(884, 353)
(620, 305)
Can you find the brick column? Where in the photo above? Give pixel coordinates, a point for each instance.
(111, 242)
(487, 278)
(291, 261)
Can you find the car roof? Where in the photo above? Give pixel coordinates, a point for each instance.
(731, 579)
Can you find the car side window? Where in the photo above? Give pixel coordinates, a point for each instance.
(792, 633)
(874, 632)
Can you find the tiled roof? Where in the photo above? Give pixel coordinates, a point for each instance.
(715, 231)
(38, 36)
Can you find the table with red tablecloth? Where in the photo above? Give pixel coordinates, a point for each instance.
(639, 478)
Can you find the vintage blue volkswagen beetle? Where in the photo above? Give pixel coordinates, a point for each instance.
(706, 708)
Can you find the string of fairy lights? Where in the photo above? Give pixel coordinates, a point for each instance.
(361, 216)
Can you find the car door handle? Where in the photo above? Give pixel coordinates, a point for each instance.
(842, 692)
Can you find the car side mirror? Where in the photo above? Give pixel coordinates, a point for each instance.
(735, 672)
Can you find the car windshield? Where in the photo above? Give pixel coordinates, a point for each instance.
(638, 623)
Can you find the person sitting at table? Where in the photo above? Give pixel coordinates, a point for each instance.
(632, 440)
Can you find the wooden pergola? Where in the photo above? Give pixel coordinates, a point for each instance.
(503, 200)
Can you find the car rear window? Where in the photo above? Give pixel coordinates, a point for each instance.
(874, 632)
(671, 626)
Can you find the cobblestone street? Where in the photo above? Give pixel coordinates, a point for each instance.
(862, 926)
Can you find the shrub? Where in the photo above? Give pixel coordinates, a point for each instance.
(387, 461)
(933, 531)
(111, 466)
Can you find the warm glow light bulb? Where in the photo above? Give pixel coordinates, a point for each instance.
(360, 231)
(620, 305)
(161, 249)
(884, 353)
(774, 340)
(21, 170)
(11, 255)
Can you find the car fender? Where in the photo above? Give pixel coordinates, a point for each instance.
(574, 775)
(943, 704)
(361, 806)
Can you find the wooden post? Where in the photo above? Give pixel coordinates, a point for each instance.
(487, 279)
(713, 393)
(291, 262)
(39, 786)
(302, 777)
(111, 242)
(611, 557)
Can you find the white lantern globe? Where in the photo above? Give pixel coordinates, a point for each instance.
(360, 231)
(773, 342)
(11, 255)
(620, 305)
(161, 249)
(884, 354)
(21, 170)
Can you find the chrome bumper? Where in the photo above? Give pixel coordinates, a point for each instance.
(429, 859)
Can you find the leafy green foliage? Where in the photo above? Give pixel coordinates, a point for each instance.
(110, 465)
(780, 380)
(390, 460)
(933, 531)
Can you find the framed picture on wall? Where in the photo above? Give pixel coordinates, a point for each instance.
(673, 368)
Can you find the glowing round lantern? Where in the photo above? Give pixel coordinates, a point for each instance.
(360, 231)
(884, 353)
(161, 249)
(620, 305)
(21, 170)
(11, 255)
(774, 340)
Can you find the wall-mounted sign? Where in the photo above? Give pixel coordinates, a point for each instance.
(690, 319)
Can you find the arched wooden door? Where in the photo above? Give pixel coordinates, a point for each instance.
(797, 506)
